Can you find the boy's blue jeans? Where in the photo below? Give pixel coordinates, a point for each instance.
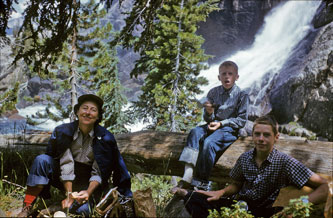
(203, 149)
(46, 171)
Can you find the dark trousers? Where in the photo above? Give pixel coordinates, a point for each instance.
(198, 206)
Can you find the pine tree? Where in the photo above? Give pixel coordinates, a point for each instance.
(88, 64)
(97, 63)
(173, 62)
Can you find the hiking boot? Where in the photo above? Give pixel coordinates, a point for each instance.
(202, 185)
(26, 211)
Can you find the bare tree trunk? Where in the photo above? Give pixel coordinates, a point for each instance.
(158, 152)
(175, 83)
(73, 72)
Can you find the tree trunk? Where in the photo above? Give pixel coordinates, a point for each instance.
(175, 89)
(158, 152)
(73, 71)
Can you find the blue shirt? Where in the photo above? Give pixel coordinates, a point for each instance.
(230, 106)
(261, 185)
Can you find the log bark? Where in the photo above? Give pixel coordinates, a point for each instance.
(158, 152)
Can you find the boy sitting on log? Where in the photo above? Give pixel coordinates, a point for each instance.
(258, 176)
(225, 112)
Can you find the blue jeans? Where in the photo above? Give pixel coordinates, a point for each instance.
(203, 149)
(46, 171)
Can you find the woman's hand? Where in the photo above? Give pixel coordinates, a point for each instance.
(67, 202)
(81, 197)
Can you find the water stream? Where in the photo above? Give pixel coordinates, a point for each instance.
(284, 27)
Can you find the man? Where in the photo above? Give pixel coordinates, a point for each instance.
(258, 176)
(225, 112)
(81, 156)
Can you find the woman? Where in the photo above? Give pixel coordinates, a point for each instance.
(80, 157)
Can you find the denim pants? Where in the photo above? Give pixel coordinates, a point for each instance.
(197, 205)
(203, 149)
(46, 171)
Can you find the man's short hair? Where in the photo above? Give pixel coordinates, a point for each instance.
(267, 120)
(229, 64)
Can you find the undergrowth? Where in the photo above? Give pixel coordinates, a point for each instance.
(14, 169)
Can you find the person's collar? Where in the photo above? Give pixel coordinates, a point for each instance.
(271, 155)
(253, 154)
(228, 91)
(78, 131)
(269, 158)
(76, 134)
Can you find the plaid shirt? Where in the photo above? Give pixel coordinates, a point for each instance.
(261, 186)
(230, 106)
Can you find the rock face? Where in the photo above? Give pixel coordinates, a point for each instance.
(303, 91)
(233, 27)
(9, 74)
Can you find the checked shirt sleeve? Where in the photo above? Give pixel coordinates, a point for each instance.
(298, 174)
(95, 173)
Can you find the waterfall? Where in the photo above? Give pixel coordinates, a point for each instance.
(284, 27)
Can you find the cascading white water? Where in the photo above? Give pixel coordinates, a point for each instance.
(283, 29)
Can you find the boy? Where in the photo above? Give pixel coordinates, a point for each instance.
(258, 176)
(225, 112)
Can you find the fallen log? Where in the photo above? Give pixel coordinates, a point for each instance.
(158, 152)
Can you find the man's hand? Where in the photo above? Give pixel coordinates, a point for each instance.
(214, 126)
(213, 195)
(209, 107)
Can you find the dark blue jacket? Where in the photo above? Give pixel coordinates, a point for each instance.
(105, 150)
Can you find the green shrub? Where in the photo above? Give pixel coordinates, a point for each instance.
(298, 208)
(160, 186)
(236, 211)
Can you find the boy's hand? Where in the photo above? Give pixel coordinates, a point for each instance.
(209, 107)
(212, 195)
(214, 126)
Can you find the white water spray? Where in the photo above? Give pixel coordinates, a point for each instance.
(284, 27)
(46, 124)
